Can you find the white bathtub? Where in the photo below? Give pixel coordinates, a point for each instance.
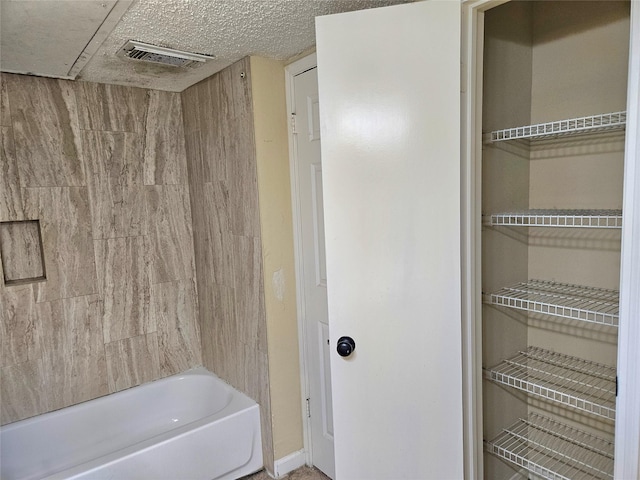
(189, 426)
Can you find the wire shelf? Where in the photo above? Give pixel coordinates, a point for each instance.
(570, 381)
(558, 218)
(572, 126)
(588, 304)
(555, 451)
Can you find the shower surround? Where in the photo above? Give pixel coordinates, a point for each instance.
(103, 169)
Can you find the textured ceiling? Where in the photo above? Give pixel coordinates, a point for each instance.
(227, 29)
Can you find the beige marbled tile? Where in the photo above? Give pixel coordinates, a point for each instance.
(206, 108)
(200, 207)
(82, 379)
(228, 141)
(21, 251)
(221, 349)
(73, 350)
(207, 322)
(174, 306)
(232, 137)
(22, 390)
(10, 196)
(198, 213)
(211, 238)
(214, 134)
(220, 244)
(170, 233)
(190, 99)
(237, 125)
(256, 368)
(204, 272)
(243, 183)
(194, 155)
(44, 116)
(249, 292)
(132, 361)
(164, 154)
(220, 109)
(5, 112)
(216, 144)
(71, 328)
(115, 157)
(115, 181)
(18, 326)
(123, 283)
(237, 89)
(203, 139)
(112, 108)
(67, 241)
(256, 364)
(120, 211)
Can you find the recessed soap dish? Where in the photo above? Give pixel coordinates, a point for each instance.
(21, 252)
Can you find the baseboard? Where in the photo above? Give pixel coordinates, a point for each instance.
(289, 463)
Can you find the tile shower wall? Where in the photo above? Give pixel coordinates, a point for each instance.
(103, 168)
(221, 158)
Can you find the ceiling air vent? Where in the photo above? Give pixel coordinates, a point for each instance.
(165, 56)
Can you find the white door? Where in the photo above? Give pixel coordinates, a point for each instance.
(390, 120)
(312, 267)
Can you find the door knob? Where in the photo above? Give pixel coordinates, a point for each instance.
(346, 346)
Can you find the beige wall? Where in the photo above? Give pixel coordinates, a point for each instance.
(580, 55)
(103, 169)
(274, 188)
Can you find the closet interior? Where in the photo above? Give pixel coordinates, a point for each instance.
(554, 99)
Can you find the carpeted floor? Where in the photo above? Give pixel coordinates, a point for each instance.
(304, 473)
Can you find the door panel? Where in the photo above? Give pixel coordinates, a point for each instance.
(318, 225)
(390, 122)
(325, 378)
(309, 173)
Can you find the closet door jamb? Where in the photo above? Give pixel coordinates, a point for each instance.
(471, 181)
(627, 450)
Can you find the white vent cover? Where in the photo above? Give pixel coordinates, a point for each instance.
(166, 56)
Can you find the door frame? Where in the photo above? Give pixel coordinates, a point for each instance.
(627, 463)
(472, 31)
(291, 71)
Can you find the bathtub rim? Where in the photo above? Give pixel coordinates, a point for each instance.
(237, 404)
(195, 371)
